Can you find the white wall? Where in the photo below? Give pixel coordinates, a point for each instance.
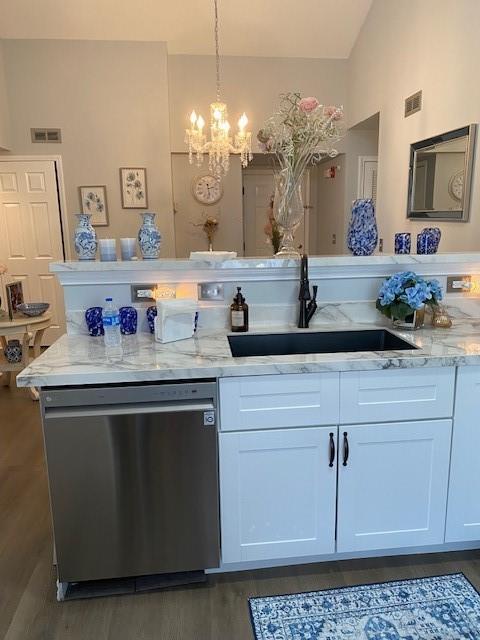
(111, 101)
(248, 84)
(405, 46)
(189, 213)
(4, 111)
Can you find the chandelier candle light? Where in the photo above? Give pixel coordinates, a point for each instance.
(221, 143)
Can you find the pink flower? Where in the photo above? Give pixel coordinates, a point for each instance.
(307, 105)
(333, 112)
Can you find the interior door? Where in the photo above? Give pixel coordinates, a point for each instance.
(392, 484)
(258, 190)
(277, 493)
(367, 177)
(31, 234)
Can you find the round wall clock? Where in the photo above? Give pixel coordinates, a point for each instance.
(207, 189)
(455, 185)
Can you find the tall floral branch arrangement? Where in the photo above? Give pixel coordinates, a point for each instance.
(300, 133)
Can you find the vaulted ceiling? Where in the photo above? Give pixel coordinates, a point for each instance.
(277, 28)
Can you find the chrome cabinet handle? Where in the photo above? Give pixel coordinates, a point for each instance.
(346, 448)
(332, 451)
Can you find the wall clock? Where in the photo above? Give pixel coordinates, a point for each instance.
(455, 185)
(207, 189)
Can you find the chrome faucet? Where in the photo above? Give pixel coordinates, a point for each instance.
(308, 303)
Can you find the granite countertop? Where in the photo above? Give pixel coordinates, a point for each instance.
(82, 360)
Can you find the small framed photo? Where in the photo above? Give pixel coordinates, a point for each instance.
(14, 297)
(94, 200)
(134, 188)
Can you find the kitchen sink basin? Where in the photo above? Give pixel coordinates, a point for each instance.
(281, 344)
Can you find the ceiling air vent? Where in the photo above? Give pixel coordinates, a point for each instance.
(46, 135)
(413, 104)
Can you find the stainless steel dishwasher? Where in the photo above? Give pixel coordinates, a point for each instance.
(133, 476)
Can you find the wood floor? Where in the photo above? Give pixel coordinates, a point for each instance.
(218, 611)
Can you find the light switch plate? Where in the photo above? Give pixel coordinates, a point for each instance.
(459, 284)
(143, 292)
(210, 291)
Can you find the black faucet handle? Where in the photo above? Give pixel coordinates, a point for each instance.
(315, 289)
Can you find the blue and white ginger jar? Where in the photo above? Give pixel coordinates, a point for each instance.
(362, 236)
(85, 238)
(428, 240)
(149, 237)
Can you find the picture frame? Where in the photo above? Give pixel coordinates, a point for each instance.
(133, 184)
(93, 200)
(14, 297)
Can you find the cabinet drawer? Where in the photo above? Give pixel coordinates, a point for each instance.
(392, 394)
(266, 402)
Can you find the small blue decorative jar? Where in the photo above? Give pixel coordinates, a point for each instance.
(428, 240)
(93, 318)
(149, 237)
(13, 351)
(151, 315)
(128, 320)
(85, 238)
(362, 236)
(403, 243)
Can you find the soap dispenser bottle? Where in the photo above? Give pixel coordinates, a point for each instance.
(239, 312)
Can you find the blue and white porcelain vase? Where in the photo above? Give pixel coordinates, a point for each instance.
(85, 238)
(362, 236)
(428, 240)
(149, 237)
(13, 351)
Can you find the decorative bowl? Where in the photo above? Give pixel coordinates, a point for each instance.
(33, 309)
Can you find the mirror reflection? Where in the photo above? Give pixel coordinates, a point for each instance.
(440, 176)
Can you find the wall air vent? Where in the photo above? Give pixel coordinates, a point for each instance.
(413, 104)
(46, 135)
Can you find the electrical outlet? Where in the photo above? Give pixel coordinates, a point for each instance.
(210, 291)
(459, 284)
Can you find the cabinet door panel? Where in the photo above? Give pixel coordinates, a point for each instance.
(393, 490)
(412, 394)
(277, 494)
(273, 401)
(463, 515)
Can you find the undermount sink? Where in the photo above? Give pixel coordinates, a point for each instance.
(281, 344)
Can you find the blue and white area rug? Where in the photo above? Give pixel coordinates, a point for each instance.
(441, 608)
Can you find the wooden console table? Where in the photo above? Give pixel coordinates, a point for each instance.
(28, 328)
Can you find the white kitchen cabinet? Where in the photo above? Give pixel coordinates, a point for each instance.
(277, 493)
(412, 394)
(392, 492)
(463, 514)
(273, 401)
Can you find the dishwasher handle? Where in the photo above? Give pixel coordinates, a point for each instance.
(127, 409)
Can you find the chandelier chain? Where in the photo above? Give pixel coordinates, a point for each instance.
(217, 51)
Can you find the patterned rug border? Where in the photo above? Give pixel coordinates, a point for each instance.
(355, 586)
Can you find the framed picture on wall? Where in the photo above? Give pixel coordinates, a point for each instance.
(14, 297)
(93, 200)
(133, 183)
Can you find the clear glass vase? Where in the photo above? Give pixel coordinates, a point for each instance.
(413, 322)
(288, 212)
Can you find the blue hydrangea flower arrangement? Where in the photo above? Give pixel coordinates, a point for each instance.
(404, 293)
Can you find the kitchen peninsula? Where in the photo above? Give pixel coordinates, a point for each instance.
(302, 440)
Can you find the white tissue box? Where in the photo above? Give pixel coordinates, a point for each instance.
(175, 320)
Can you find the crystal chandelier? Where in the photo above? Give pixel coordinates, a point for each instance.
(221, 144)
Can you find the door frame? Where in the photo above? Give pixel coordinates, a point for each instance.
(62, 200)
